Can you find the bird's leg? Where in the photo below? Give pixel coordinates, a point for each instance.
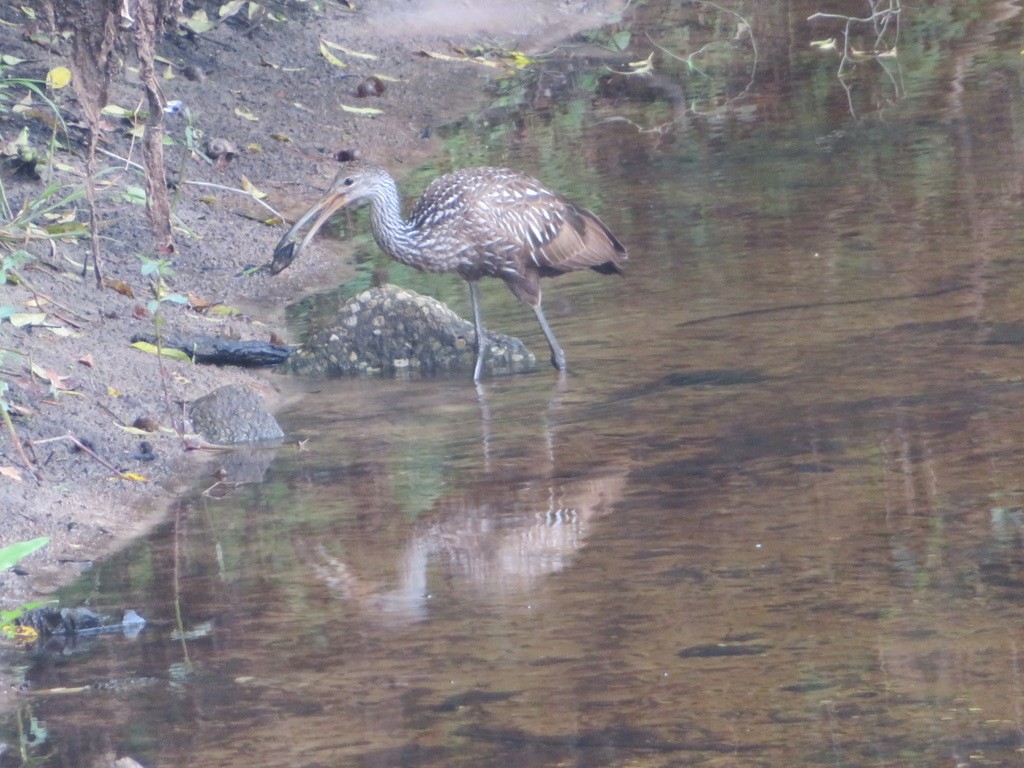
(478, 321)
(557, 355)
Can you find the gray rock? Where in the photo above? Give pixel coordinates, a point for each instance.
(389, 330)
(231, 415)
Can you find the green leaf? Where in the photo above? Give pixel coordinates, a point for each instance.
(199, 22)
(136, 195)
(621, 39)
(175, 354)
(115, 111)
(10, 555)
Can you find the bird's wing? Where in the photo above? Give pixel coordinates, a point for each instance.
(511, 215)
(555, 234)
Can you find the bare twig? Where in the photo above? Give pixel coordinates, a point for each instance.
(19, 447)
(37, 295)
(209, 184)
(221, 187)
(83, 448)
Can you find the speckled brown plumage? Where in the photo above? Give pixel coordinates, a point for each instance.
(478, 222)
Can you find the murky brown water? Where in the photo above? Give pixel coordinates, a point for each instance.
(774, 516)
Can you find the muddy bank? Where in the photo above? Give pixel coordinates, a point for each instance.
(267, 89)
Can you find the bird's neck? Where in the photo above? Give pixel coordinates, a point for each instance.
(395, 236)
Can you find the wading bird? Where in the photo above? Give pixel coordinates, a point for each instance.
(478, 222)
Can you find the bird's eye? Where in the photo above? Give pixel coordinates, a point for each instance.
(349, 182)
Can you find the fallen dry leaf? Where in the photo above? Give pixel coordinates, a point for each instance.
(368, 111)
(11, 473)
(55, 379)
(326, 53)
(21, 319)
(120, 286)
(348, 51)
(197, 303)
(249, 188)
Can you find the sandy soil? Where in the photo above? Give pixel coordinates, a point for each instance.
(92, 382)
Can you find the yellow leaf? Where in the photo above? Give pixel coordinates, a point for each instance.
(642, 67)
(362, 110)
(348, 51)
(24, 635)
(283, 138)
(387, 78)
(326, 53)
(250, 189)
(113, 392)
(449, 57)
(246, 114)
(133, 476)
(824, 45)
(519, 59)
(58, 77)
(131, 430)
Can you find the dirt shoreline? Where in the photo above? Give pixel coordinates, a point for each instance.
(270, 92)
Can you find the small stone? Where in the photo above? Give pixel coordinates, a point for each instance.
(231, 415)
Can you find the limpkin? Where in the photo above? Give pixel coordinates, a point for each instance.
(479, 222)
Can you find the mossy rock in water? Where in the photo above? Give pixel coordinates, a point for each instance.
(232, 415)
(390, 330)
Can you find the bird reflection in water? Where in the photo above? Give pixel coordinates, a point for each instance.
(485, 546)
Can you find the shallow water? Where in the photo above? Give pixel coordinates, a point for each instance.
(773, 516)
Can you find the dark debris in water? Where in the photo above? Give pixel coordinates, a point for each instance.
(716, 377)
(473, 698)
(1006, 333)
(712, 377)
(812, 468)
(619, 738)
(717, 650)
(810, 687)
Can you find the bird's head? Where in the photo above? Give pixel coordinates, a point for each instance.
(354, 184)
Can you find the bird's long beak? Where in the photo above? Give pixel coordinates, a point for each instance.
(287, 251)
